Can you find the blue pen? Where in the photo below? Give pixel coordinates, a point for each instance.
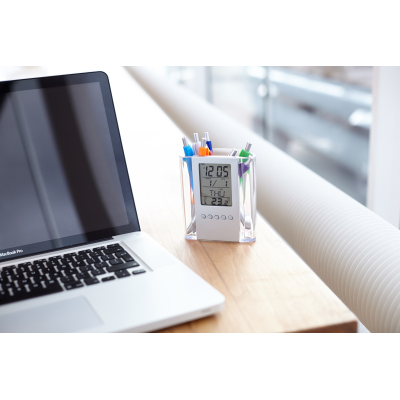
(187, 148)
(209, 144)
(188, 153)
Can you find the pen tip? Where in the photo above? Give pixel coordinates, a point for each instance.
(248, 146)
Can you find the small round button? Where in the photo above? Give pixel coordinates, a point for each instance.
(209, 216)
(216, 216)
(223, 217)
(230, 217)
(203, 216)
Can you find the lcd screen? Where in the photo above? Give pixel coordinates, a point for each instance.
(216, 184)
(58, 171)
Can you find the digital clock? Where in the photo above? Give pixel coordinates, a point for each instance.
(216, 198)
(216, 185)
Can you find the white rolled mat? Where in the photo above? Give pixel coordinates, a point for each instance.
(355, 252)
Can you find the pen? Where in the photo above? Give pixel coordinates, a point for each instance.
(188, 153)
(187, 148)
(233, 153)
(244, 165)
(209, 144)
(203, 149)
(192, 226)
(196, 144)
(246, 151)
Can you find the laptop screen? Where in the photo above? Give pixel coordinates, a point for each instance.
(62, 171)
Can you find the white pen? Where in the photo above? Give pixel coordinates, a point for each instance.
(196, 144)
(233, 153)
(248, 146)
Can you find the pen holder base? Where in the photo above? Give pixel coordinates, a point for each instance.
(243, 198)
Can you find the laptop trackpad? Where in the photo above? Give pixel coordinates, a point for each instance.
(63, 316)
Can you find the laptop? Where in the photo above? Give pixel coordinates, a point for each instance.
(72, 255)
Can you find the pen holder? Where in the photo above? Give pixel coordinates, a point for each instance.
(219, 198)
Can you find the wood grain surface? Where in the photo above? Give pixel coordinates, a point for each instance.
(267, 287)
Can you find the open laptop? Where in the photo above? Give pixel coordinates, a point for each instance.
(72, 256)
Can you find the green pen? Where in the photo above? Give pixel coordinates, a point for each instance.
(246, 151)
(244, 165)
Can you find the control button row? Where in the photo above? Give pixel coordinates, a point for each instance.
(209, 216)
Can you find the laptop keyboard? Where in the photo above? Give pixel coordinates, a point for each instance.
(66, 272)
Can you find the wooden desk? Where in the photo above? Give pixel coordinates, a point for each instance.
(266, 286)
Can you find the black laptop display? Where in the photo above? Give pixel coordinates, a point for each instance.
(63, 177)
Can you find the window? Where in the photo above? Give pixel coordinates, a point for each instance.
(321, 116)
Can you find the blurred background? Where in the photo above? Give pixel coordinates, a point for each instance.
(321, 116)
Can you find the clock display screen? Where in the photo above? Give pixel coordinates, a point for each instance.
(216, 184)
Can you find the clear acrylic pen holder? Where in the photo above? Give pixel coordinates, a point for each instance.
(246, 195)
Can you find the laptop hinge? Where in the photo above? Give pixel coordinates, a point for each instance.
(59, 249)
(82, 244)
(95, 241)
